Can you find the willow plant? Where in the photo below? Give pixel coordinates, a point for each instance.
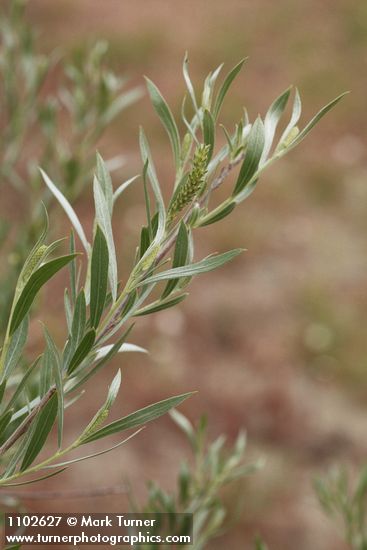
(56, 127)
(200, 485)
(99, 308)
(346, 503)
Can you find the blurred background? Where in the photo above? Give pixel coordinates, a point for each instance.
(275, 343)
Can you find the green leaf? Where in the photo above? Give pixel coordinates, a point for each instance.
(296, 113)
(104, 179)
(2, 390)
(179, 258)
(254, 151)
(33, 258)
(46, 374)
(106, 358)
(208, 89)
(72, 269)
(29, 482)
(82, 351)
(147, 156)
(147, 200)
(209, 132)
(79, 319)
(225, 87)
(14, 353)
(57, 371)
(34, 284)
(190, 88)
(99, 277)
(142, 416)
(205, 265)
(103, 412)
(218, 214)
(144, 241)
(68, 309)
(167, 119)
(104, 220)
(5, 419)
(22, 384)
(315, 120)
(93, 455)
(160, 305)
(271, 121)
(68, 209)
(42, 427)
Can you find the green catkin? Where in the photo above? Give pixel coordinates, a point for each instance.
(95, 423)
(194, 184)
(293, 133)
(34, 261)
(148, 261)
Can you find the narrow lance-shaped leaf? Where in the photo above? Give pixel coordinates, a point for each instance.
(33, 258)
(103, 412)
(179, 258)
(271, 121)
(160, 305)
(147, 156)
(57, 372)
(79, 319)
(315, 120)
(99, 277)
(68, 309)
(142, 416)
(72, 269)
(295, 116)
(22, 384)
(209, 132)
(46, 373)
(103, 360)
(68, 209)
(167, 119)
(144, 241)
(126, 347)
(4, 421)
(82, 350)
(216, 215)
(2, 390)
(15, 349)
(104, 179)
(253, 155)
(147, 200)
(29, 482)
(205, 265)
(104, 220)
(42, 427)
(190, 88)
(225, 87)
(34, 284)
(93, 455)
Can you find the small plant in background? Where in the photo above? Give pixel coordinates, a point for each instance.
(260, 545)
(346, 503)
(98, 307)
(56, 128)
(200, 484)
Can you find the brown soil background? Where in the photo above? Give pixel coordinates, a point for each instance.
(275, 343)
